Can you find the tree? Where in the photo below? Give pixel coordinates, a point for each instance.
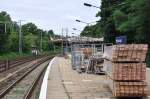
(9, 35)
(29, 41)
(45, 44)
(13, 42)
(51, 33)
(141, 15)
(4, 17)
(29, 28)
(92, 31)
(15, 27)
(107, 21)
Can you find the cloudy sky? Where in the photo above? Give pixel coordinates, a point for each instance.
(51, 14)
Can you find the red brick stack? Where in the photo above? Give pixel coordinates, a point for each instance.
(126, 68)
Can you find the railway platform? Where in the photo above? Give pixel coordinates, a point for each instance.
(61, 82)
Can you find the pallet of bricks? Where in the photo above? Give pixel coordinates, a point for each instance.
(126, 69)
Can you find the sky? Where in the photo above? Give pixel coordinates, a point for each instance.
(52, 14)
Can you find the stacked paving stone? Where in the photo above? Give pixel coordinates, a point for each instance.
(126, 69)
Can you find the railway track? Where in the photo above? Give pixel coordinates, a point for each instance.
(10, 71)
(11, 67)
(8, 64)
(21, 84)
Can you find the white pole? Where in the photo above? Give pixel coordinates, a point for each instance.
(66, 39)
(20, 37)
(62, 40)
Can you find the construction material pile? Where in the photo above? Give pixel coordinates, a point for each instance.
(128, 89)
(126, 71)
(77, 57)
(87, 52)
(127, 53)
(126, 68)
(95, 64)
(80, 58)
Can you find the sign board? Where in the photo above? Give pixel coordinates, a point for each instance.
(121, 40)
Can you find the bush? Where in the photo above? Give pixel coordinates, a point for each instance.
(13, 42)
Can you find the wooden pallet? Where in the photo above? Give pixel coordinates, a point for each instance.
(128, 89)
(126, 71)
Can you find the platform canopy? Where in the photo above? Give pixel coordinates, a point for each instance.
(85, 39)
(77, 39)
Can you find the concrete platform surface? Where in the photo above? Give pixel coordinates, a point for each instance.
(55, 88)
(65, 83)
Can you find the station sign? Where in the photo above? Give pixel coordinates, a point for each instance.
(121, 40)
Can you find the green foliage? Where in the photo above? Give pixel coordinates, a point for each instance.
(143, 23)
(51, 33)
(15, 27)
(12, 55)
(29, 42)
(119, 17)
(29, 28)
(92, 31)
(4, 17)
(13, 42)
(125, 17)
(45, 45)
(9, 37)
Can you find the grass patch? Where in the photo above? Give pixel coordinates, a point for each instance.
(12, 55)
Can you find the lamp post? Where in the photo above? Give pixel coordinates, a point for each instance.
(88, 23)
(90, 5)
(83, 22)
(76, 29)
(79, 37)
